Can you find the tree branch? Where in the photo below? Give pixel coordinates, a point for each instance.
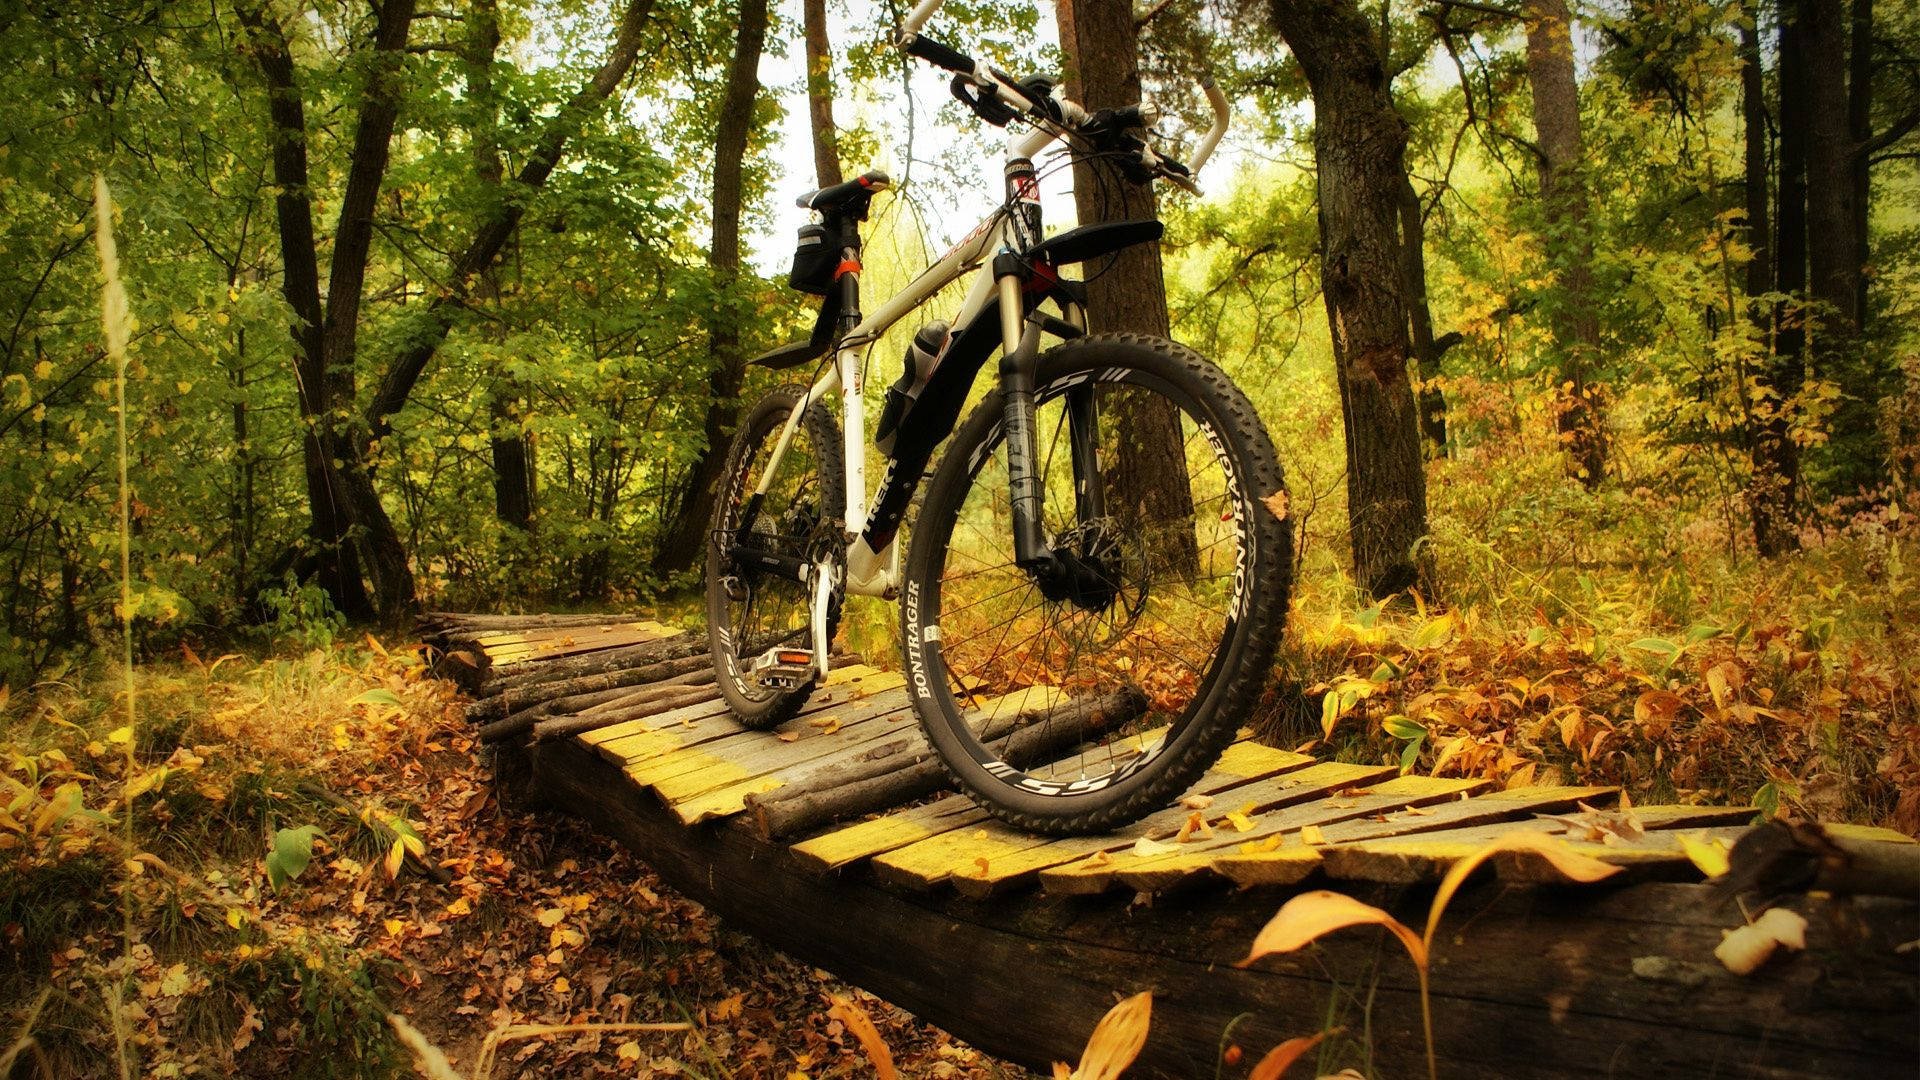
(491, 236)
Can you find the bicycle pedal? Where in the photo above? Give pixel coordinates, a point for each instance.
(782, 668)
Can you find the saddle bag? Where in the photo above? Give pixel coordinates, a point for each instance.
(816, 255)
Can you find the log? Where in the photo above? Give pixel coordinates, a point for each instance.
(656, 703)
(1529, 983)
(900, 772)
(503, 704)
(442, 621)
(628, 704)
(523, 719)
(570, 667)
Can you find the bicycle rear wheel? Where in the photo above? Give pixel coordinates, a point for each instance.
(754, 610)
(1081, 706)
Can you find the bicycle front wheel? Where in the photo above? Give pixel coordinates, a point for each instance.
(1077, 702)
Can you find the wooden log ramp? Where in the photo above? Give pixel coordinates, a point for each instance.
(832, 839)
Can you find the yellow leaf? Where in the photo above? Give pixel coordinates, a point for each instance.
(1710, 856)
(121, 736)
(151, 780)
(394, 926)
(561, 985)
(550, 916)
(729, 1008)
(235, 918)
(628, 1051)
(1748, 947)
(1310, 834)
(1281, 1057)
(1240, 820)
(1117, 1039)
(1147, 848)
(396, 855)
(849, 1012)
(1312, 915)
(459, 907)
(1575, 866)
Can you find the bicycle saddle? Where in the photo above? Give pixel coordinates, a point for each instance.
(840, 196)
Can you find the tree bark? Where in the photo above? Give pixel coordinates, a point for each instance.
(1359, 145)
(826, 139)
(683, 540)
(1860, 133)
(1563, 196)
(1427, 350)
(1149, 474)
(1775, 458)
(345, 503)
(1834, 270)
(513, 467)
(328, 516)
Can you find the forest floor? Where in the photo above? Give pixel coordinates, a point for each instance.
(219, 935)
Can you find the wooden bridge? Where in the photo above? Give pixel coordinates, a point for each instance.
(833, 840)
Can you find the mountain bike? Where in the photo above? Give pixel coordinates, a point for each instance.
(1099, 571)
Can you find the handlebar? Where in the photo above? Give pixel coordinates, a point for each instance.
(1000, 97)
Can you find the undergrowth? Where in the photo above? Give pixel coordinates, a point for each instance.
(317, 846)
(1622, 640)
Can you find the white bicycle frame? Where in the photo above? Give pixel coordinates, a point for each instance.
(877, 573)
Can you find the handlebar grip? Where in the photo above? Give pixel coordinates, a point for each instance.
(939, 55)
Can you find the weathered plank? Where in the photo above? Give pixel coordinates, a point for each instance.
(1257, 864)
(905, 769)
(1585, 983)
(1297, 782)
(855, 843)
(1158, 872)
(1427, 856)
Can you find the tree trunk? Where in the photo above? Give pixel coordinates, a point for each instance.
(1426, 350)
(328, 516)
(1102, 46)
(1359, 145)
(340, 464)
(826, 140)
(1860, 132)
(1776, 460)
(1563, 196)
(513, 466)
(1833, 265)
(684, 538)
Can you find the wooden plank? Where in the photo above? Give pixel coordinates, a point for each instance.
(933, 861)
(508, 649)
(721, 789)
(613, 740)
(753, 751)
(1296, 785)
(1428, 856)
(539, 636)
(854, 843)
(1286, 865)
(1529, 985)
(1156, 873)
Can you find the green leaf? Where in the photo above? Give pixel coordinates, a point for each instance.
(1660, 646)
(1702, 631)
(292, 851)
(376, 697)
(1401, 727)
(1434, 632)
(1411, 755)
